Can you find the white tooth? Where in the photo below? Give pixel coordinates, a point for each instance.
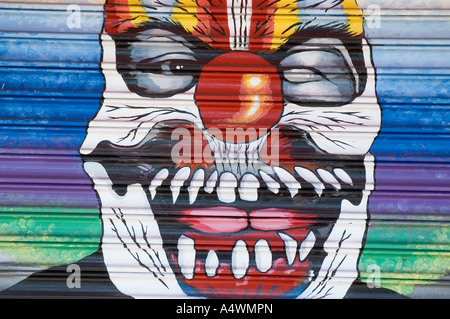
(196, 183)
(211, 183)
(306, 246)
(311, 178)
(272, 184)
(291, 183)
(186, 256)
(263, 255)
(343, 176)
(290, 245)
(211, 263)
(328, 178)
(239, 259)
(157, 181)
(227, 185)
(248, 189)
(178, 180)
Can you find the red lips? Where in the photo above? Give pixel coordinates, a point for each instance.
(219, 220)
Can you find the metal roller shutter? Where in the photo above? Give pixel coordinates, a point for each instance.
(224, 149)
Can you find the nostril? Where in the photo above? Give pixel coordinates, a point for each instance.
(237, 91)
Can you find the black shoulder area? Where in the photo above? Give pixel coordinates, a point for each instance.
(93, 281)
(360, 290)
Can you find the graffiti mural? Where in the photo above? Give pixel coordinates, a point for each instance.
(243, 227)
(230, 155)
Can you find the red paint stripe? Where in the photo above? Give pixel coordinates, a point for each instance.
(117, 15)
(212, 26)
(262, 25)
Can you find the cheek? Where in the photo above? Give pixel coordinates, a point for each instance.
(192, 149)
(286, 147)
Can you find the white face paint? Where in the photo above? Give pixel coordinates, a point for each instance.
(177, 230)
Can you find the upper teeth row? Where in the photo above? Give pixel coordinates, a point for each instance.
(240, 257)
(227, 182)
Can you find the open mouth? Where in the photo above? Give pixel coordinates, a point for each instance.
(256, 233)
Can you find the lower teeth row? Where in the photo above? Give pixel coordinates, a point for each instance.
(240, 257)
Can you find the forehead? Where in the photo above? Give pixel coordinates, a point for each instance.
(248, 25)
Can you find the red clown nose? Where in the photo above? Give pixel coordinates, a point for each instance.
(237, 91)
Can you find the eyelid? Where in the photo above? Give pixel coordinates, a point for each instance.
(329, 49)
(147, 50)
(303, 75)
(157, 62)
(298, 59)
(171, 56)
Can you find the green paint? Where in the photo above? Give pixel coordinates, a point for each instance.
(407, 253)
(44, 237)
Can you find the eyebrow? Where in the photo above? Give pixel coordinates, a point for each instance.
(324, 47)
(304, 34)
(175, 29)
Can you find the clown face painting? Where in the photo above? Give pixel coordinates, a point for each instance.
(230, 153)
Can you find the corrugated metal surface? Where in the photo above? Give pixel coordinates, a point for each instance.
(118, 178)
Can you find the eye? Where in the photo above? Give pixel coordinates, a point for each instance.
(157, 64)
(171, 64)
(163, 76)
(172, 67)
(317, 77)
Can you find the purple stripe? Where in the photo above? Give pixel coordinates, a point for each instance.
(42, 170)
(45, 181)
(411, 189)
(50, 196)
(404, 204)
(412, 177)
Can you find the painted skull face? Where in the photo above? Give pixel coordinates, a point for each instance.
(230, 151)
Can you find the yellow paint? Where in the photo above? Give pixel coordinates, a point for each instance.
(137, 13)
(282, 22)
(186, 17)
(354, 17)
